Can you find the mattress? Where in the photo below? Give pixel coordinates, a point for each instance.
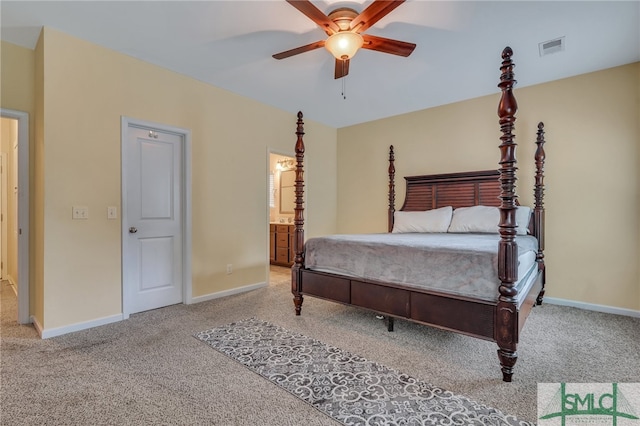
(460, 264)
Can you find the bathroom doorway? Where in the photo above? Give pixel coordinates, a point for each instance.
(281, 203)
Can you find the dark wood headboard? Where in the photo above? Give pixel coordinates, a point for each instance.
(452, 189)
(462, 189)
(465, 189)
(427, 192)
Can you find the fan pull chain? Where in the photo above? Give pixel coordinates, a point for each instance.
(344, 84)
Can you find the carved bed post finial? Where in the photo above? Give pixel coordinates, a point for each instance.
(298, 238)
(506, 315)
(392, 188)
(507, 268)
(538, 211)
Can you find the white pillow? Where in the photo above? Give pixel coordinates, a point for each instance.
(485, 219)
(436, 220)
(523, 215)
(475, 219)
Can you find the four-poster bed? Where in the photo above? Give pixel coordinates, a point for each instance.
(476, 280)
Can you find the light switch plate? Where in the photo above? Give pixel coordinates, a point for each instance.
(112, 212)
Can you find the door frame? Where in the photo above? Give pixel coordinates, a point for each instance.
(4, 200)
(24, 316)
(126, 123)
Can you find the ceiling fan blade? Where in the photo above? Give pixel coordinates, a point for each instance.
(316, 15)
(342, 68)
(387, 45)
(299, 50)
(372, 14)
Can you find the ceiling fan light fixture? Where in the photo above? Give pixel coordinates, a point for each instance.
(344, 44)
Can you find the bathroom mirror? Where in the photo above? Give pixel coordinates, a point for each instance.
(287, 191)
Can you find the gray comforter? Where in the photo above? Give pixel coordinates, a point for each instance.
(463, 264)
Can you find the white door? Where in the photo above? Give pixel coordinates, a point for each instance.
(152, 246)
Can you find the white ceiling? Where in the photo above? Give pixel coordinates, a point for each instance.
(229, 45)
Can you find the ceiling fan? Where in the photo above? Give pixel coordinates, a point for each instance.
(345, 26)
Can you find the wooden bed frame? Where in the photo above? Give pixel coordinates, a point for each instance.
(499, 321)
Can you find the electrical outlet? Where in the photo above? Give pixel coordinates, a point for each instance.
(80, 212)
(229, 268)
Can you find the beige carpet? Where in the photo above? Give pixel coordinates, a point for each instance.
(150, 370)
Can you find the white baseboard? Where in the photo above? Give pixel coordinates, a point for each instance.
(592, 307)
(59, 331)
(230, 292)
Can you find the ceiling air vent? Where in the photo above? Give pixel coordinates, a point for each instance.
(551, 46)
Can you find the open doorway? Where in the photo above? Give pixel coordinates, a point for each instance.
(281, 199)
(14, 143)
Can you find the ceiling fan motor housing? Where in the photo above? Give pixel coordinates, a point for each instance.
(343, 17)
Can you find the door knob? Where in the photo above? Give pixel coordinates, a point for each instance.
(133, 230)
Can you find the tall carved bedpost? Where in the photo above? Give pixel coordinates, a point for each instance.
(392, 188)
(298, 233)
(506, 310)
(538, 210)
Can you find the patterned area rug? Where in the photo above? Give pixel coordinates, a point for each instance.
(344, 386)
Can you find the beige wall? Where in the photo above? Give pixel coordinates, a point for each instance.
(592, 173)
(17, 71)
(84, 90)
